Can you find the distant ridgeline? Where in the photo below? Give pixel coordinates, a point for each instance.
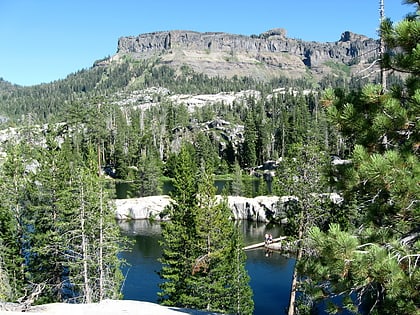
(202, 63)
(263, 56)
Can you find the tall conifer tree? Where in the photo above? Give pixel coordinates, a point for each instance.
(99, 237)
(219, 270)
(203, 262)
(46, 240)
(13, 187)
(180, 232)
(378, 260)
(302, 179)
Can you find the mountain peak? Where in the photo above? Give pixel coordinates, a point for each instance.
(348, 36)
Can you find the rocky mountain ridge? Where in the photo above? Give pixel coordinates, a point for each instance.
(262, 56)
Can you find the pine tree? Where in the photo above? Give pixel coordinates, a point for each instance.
(72, 242)
(46, 242)
(180, 232)
(249, 151)
(206, 150)
(380, 262)
(383, 131)
(202, 262)
(219, 270)
(95, 271)
(402, 42)
(237, 188)
(99, 239)
(368, 278)
(147, 183)
(13, 228)
(299, 120)
(302, 179)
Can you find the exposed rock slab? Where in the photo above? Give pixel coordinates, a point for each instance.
(260, 209)
(141, 208)
(106, 307)
(256, 209)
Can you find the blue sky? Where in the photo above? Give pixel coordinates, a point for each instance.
(45, 40)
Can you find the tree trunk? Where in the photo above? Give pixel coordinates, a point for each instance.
(292, 299)
(84, 251)
(282, 142)
(382, 46)
(101, 231)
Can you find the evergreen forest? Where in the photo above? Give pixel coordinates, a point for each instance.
(65, 144)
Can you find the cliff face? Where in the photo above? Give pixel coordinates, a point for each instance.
(272, 52)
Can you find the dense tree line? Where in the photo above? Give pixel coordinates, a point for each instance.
(271, 126)
(58, 235)
(46, 102)
(140, 143)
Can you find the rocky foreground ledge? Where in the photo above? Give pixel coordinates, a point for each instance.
(106, 307)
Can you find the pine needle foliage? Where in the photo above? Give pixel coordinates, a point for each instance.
(203, 264)
(375, 264)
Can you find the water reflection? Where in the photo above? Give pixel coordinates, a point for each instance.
(140, 227)
(141, 279)
(270, 274)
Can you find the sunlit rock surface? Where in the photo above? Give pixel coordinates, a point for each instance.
(261, 208)
(106, 307)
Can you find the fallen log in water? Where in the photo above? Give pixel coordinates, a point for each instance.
(263, 244)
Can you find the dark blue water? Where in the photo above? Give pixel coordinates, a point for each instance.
(271, 273)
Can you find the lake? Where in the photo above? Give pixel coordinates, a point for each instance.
(271, 273)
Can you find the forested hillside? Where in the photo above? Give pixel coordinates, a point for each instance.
(142, 120)
(134, 104)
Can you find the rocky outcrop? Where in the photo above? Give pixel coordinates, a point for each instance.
(141, 208)
(257, 209)
(271, 50)
(261, 208)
